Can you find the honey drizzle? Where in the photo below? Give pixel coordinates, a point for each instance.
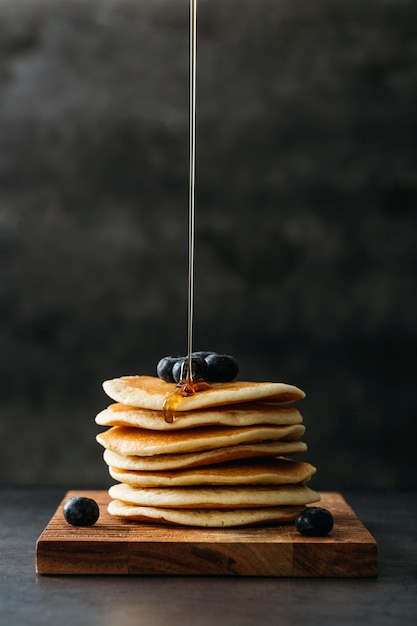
(188, 386)
(184, 389)
(191, 190)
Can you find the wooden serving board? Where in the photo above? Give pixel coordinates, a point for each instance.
(117, 546)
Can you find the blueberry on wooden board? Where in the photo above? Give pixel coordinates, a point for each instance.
(221, 368)
(81, 511)
(314, 521)
(198, 369)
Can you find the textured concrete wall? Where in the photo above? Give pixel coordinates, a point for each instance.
(306, 218)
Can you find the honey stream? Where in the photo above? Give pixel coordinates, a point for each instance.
(188, 386)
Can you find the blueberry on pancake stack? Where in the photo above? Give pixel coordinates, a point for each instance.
(219, 461)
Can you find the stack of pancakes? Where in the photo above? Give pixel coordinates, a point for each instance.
(221, 462)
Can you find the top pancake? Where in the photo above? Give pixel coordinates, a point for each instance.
(246, 414)
(150, 392)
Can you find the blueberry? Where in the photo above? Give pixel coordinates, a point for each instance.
(164, 368)
(221, 368)
(81, 511)
(314, 521)
(198, 368)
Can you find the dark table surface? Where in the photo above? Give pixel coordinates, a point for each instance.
(27, 598)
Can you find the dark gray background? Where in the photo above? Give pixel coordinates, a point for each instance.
(306, 218)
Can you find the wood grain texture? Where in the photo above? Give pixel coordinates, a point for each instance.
(116, 546)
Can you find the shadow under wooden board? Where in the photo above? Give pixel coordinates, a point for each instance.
(117, 546)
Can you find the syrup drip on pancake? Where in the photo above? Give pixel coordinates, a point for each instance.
(184, 388)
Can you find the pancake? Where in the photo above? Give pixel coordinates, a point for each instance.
(205, 518)
(208, 457)
(138, 441)
(247, 414)
(244, 497)
(150, 392)
(265, 472)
